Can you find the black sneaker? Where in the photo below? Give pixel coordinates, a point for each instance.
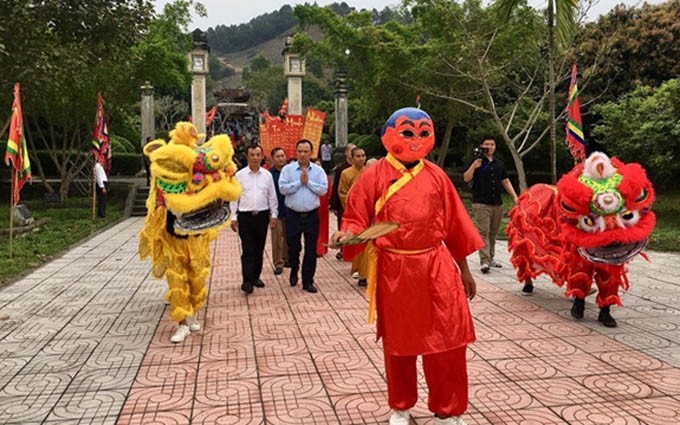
(528, 288)
(362, 282)
(485, 268)
(278, 270)
(293, 279)
(310, 288)
(258, 283)
(338, 256)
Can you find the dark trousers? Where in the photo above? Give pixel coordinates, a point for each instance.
(338, 215)
(306, 224)
(101, 200)
(252, 229)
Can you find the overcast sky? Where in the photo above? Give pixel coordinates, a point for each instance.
(230, 12)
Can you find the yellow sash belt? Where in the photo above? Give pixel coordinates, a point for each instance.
(371, 251)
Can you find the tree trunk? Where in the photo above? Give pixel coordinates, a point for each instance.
(521, 174)
(35, 160)
(444, 149)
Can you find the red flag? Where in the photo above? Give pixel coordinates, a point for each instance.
(210, 116)
(101, 148)
(574, 136)
(16, 152)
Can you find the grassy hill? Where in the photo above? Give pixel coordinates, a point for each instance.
(271, 49)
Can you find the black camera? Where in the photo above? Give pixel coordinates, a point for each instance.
(480, 152)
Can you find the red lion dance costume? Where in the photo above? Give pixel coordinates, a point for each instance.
(585, 229)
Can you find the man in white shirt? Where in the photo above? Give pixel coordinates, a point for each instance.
(102, 188)
(254, 212)
(326, 156)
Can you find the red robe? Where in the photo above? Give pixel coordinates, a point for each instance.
(322, 241)
(421, 302)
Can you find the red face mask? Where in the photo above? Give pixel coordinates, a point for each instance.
(408, 135)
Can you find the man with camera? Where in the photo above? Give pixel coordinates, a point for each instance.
(488, 178)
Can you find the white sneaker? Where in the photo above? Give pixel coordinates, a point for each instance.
(485, 268)
(180, 334)
(400, 417)
(496, 264)
(355, 275)
(451, 420)
(192, 322)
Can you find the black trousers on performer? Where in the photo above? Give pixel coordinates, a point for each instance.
(252, 229)
(298, 224)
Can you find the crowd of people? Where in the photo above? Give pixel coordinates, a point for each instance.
(422, 309)
(293, 198)
(417, 277)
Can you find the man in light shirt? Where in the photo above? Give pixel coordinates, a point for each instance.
(255, 211)
(302, 183)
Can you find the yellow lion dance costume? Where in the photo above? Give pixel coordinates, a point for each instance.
(191, 187)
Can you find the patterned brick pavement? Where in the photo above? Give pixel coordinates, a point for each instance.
(86, 342)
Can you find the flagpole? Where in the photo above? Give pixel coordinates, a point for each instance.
(11, 212)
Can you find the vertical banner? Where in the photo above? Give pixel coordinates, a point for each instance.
(286, 133)
(272, 134)
(294, 125)
(574, 131)
(313, 128)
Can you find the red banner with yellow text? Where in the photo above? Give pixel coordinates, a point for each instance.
(314, 128)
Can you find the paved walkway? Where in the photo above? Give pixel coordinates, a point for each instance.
(86, 342)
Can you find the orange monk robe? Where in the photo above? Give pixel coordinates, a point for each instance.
(421, 302)
(347, 179)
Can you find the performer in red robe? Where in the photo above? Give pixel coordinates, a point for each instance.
(322, 240)
(420, 280)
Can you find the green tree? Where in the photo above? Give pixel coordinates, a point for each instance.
(644, 126)
(561, 21)
(63, 55)
(267, 86)
(629, 47)
(470, 68)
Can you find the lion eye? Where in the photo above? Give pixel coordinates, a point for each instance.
(566, 207)
(408, 134)
(588, 223)
(629, 218)
(642, 196)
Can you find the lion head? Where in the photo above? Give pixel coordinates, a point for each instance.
(605, 208)
(195, 183)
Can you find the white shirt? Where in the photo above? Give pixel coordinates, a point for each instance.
(100, 173)
(257, 192)
(325, 152)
